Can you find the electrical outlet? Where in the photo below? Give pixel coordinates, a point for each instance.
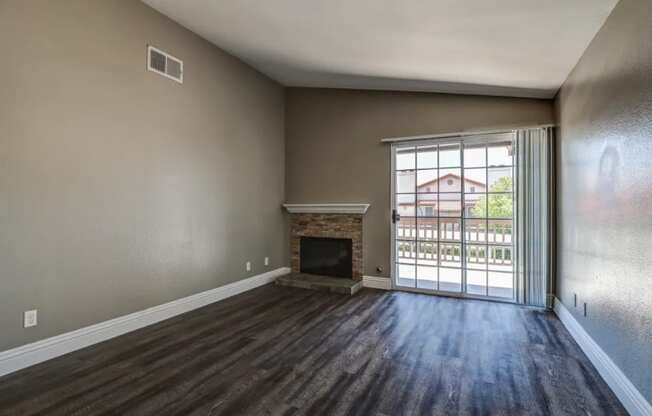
(30, 318)
(585, 309)
(248, 266)
(266, 261)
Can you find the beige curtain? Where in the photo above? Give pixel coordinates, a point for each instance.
(535, 216)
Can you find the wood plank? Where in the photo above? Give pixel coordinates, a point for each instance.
(286, 351)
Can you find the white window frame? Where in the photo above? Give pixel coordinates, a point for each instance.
(462, 142)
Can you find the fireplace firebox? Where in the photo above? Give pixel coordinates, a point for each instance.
(326, 256)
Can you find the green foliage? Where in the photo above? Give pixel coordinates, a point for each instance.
(500, 205)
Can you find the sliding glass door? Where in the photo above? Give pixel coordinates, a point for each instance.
(453, 216)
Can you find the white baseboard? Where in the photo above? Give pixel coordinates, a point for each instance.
(626, 392)
(27, 355)
(377, 282)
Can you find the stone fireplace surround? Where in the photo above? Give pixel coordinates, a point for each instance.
(347, 226)
(329, 221)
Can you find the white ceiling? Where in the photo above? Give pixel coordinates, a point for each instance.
(520, 48)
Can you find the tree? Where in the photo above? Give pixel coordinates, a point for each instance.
(500, 205)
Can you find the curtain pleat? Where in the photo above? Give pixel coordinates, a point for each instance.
(535, 216)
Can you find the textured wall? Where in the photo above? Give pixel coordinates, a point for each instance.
(121, 189)
(334, 152)
(605, 190)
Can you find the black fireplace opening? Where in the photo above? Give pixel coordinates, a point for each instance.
(326, 256)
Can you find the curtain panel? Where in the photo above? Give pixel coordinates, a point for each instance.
(535, 216)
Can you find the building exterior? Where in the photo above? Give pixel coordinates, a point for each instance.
(438, 197)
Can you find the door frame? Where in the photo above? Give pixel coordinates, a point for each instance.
(462, 140)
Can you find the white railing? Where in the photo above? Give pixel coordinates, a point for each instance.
(448, 234)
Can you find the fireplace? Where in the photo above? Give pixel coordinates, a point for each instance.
(327, 227)
(326, 247)
(326, 256)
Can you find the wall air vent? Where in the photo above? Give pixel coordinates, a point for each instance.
(164, 64)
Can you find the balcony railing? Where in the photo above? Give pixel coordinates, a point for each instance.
(492, 246)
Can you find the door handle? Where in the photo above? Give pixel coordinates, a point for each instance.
(395, 216)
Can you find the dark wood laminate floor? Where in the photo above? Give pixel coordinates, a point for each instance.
(286, 351)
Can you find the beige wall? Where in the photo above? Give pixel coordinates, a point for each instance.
(121, 189)
(605, 190)
(334, 154)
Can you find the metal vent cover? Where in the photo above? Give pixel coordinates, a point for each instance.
(164, 64)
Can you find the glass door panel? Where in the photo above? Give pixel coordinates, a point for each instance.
(453, 216)
(427, 273)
